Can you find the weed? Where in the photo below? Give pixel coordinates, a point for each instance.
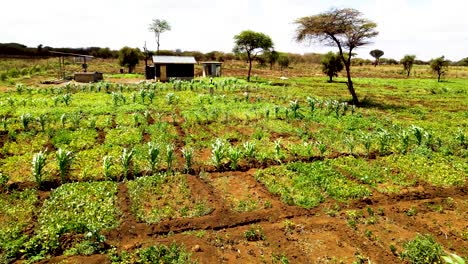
(411, 211)
(254, 233)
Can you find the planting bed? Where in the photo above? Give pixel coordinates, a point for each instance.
(232, 172)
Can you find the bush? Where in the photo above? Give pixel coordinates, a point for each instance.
(423, 249)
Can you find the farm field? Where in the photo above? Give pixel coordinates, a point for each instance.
(271, 171)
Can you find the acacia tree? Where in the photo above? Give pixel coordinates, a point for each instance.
(344, 28)
(159, 26)
(129, 57)
(271, 57)
(439, 66)
(407, 62)
(283, 61)
(376, 54)
(251, 44)
(331, 65)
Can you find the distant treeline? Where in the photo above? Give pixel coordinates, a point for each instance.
(19, 50)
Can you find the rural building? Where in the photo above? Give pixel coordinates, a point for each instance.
(178, 67)
(211, 68)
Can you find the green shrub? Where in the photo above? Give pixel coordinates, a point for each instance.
(423, 249)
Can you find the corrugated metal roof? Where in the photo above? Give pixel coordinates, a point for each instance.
(174, 59)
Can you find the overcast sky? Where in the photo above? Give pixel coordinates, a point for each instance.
(425, 28)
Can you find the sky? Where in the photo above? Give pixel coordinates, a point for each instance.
(425, 28)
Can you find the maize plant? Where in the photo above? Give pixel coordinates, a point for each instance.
(10, 101)
(126, 160)
(66, 98)
(308, 148)
(218, 151)
(38, 164)
(153, 155)
(147, 115)
(235, 155)
(19, 88)
(143, 95)
(350, 143)
(311, 102)
(76, 119)
(405, 140)
(418, 133)
(63, 119)
(106, 167)
(169, 157)
(187, 153)
(115, 98)
(278, 149)
(384, 141)
(92, 122)
(64, 159)
(461, 138)
(171, 98)
(322, 147)
(151, 96)
(295, 107)
(249, 149)
(42, 119)
(136, 119)
(25, 120)
(4, 122)
(367, 142)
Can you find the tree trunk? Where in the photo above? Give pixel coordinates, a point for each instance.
(331, 79)
(129, 69)
(157, 42)
(350, 84)
(250, 67)
(438, 77)
(347, 63)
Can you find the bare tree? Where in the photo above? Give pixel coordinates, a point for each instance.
(344, 28)
(159, 26)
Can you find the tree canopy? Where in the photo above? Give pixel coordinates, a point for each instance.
(159, 26)
(407, 62)
(344, 28)
(252, 44)
(376, 54)
(439, 66)
(331, 65)
(129, 57)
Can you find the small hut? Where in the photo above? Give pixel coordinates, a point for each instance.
(211, 68)
(177, 67)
